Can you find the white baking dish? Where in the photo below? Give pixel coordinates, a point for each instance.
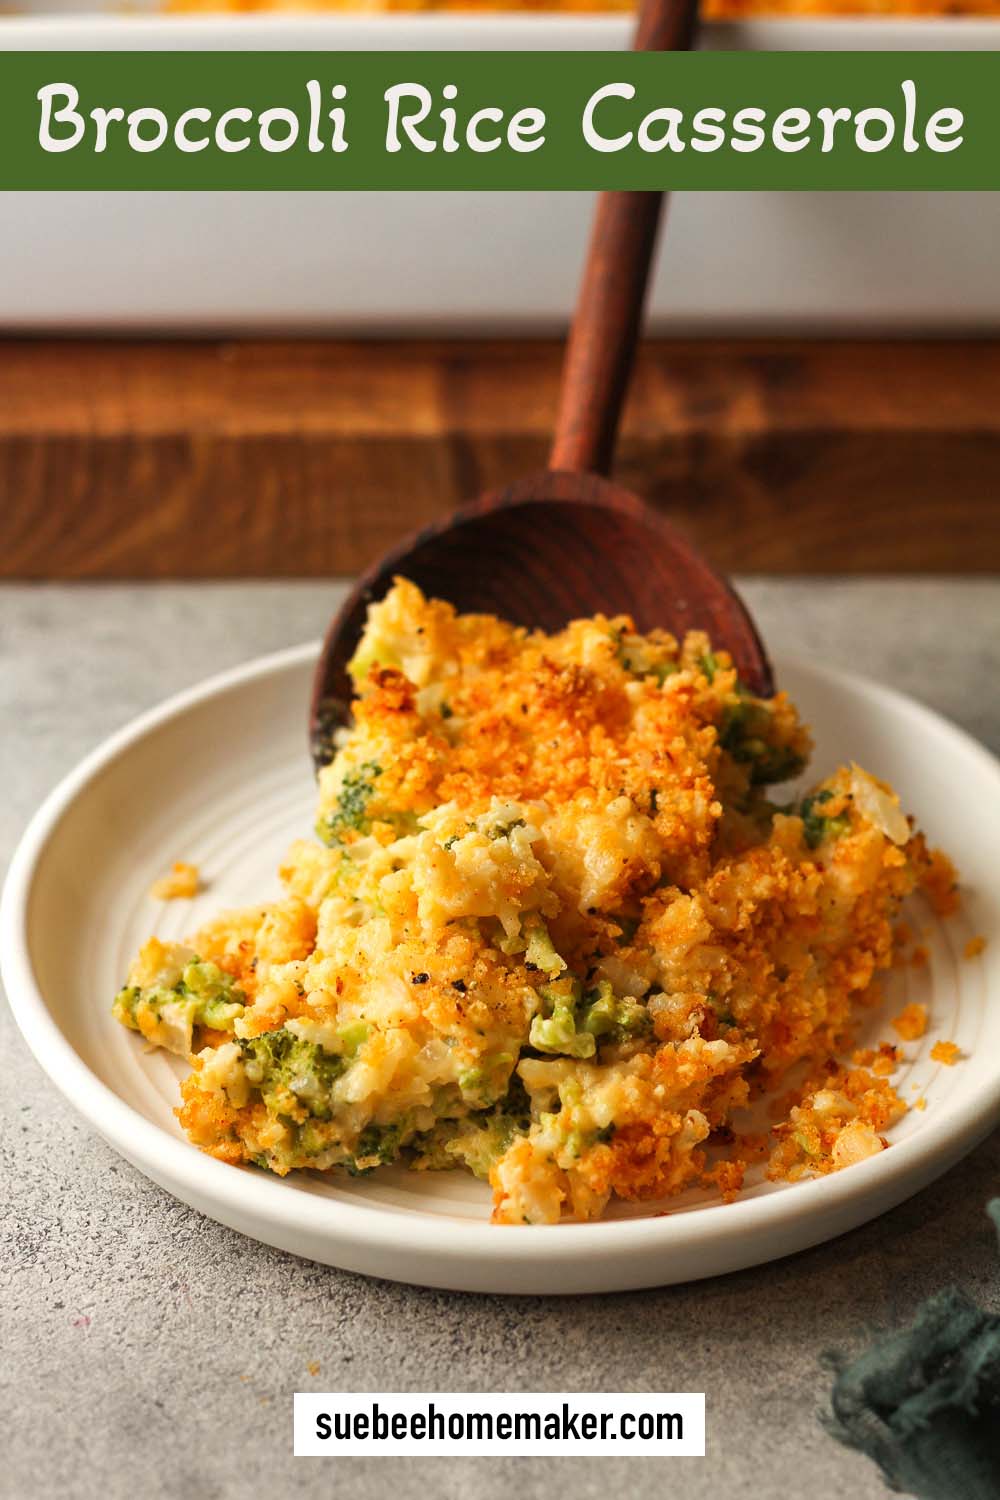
(379, 263)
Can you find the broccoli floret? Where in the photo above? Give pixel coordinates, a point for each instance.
(612, 1016)
(815, 825)
(478, 1140)
(205, 995)
(480, 1085)
(504, 830)
(558, 1031)
(482, 1145)
(540, 951)
(377, 1146)
(744, 732)
(661, 670)
(602, 1010)
(475, 1142)
(290, 1073)
(356, 791)
(219, 999)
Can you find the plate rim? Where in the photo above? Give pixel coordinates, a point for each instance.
(360, 1225)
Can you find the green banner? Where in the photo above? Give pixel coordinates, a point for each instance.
(499, 120)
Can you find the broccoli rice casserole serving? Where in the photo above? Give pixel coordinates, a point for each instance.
(559, 929)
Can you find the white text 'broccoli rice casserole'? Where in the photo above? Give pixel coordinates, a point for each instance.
(555, 931)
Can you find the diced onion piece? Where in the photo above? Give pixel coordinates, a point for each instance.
(879, 806)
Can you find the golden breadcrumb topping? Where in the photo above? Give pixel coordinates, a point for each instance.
(561, 927)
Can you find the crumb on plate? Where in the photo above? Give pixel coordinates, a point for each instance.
(911, 1023)
(182, 883)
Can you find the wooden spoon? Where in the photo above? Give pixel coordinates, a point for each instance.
(566, 543)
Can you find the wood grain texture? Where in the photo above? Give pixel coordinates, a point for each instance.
(604, 332)
(123, 460)
(600, 351)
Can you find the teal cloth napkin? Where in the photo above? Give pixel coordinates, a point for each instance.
(924, 1403)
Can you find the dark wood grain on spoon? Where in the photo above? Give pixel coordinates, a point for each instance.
(567, 543)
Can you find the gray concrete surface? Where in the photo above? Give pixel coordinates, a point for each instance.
(148, 1352)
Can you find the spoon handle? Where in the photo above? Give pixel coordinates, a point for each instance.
(609, 306)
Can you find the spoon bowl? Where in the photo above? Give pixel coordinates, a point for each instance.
(552, 547)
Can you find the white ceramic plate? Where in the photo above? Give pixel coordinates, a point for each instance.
(220, 776)
(472, 263)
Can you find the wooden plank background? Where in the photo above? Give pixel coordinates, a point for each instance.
(283, 459)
